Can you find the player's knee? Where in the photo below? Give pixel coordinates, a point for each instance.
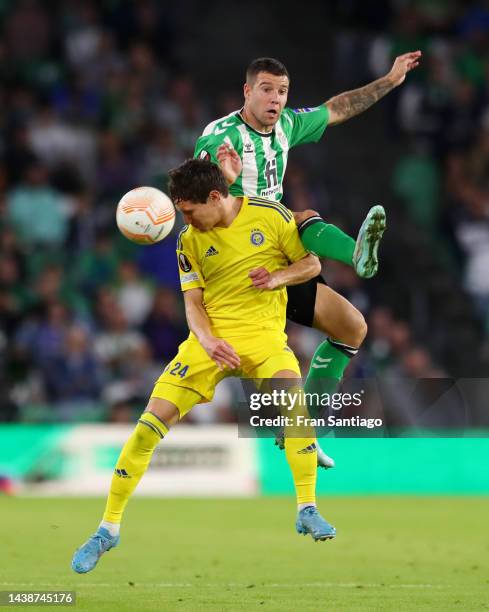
(353, 328)
(144, 438)
(358, 328)
(304, 214)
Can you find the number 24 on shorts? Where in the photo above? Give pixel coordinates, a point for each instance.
(178, 369)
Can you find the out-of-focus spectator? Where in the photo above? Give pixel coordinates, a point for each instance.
(83, 34)
(165, 326)
(59, 143)
(400, 338)
(50, 335)
(75, 375)
(468, 181)
(129, 115)
(133, 293)
(52, 286)
(36, 211)
(82, 223)
(417, 182)
(115, 340)
(15, 296)
(169, 112)
(417, 363)
(115, 174)
(161, 155)
(301, 192)
(380, 322)
(345, 280)
(19, 155)
(97, 267)
(122, 411)
(135, 378)
(28, 30)
(159, 262)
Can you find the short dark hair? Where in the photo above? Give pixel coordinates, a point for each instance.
(265, 64)
(194, 180)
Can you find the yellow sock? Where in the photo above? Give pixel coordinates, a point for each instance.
(132, 464)
(301, 456)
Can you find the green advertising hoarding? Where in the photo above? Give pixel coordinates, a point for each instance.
(424, 466)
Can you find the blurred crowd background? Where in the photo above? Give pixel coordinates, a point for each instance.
(98, 98)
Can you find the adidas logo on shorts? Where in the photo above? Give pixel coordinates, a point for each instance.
(211, 251)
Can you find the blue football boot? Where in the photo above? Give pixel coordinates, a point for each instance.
(310, 521)
(87, 556)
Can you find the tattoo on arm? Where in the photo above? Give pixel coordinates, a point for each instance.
(351, 103)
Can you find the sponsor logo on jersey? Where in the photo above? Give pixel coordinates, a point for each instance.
(303, 110)
(248, 147)
(183, 262)
(189, 278)
(264, 193)
(211, 251)
(205, 155)
(257, 237)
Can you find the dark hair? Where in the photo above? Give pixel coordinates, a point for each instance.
(265, 64)
(194, 180)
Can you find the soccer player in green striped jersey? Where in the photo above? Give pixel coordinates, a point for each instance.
(254, 143)
(264, 130)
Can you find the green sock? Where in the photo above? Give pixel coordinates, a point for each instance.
(326, 240)
(327, 367)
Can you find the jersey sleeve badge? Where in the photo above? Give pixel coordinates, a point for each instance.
(184, 263)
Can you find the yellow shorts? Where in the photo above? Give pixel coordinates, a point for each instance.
(193, 374)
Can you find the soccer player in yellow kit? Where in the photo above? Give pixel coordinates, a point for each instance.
(233, 260)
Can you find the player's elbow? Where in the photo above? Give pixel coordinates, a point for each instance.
(304, 214)
(314, 265)
(336, 110)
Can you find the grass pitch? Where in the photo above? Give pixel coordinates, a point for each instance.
(187, 555)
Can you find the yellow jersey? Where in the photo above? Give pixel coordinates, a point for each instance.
(263, 234)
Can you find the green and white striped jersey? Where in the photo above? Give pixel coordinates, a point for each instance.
(264, 155)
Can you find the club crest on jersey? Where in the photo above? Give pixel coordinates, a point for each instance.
(184, 263)
(282, 138)
(257, 237)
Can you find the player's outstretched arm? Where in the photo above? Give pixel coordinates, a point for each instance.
(350, 103)
(198, 322)
(298, 272)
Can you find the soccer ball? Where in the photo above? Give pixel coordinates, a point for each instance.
(145, 215)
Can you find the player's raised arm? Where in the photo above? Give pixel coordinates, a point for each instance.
(198, 322)
(298, 272)
(350, 103)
